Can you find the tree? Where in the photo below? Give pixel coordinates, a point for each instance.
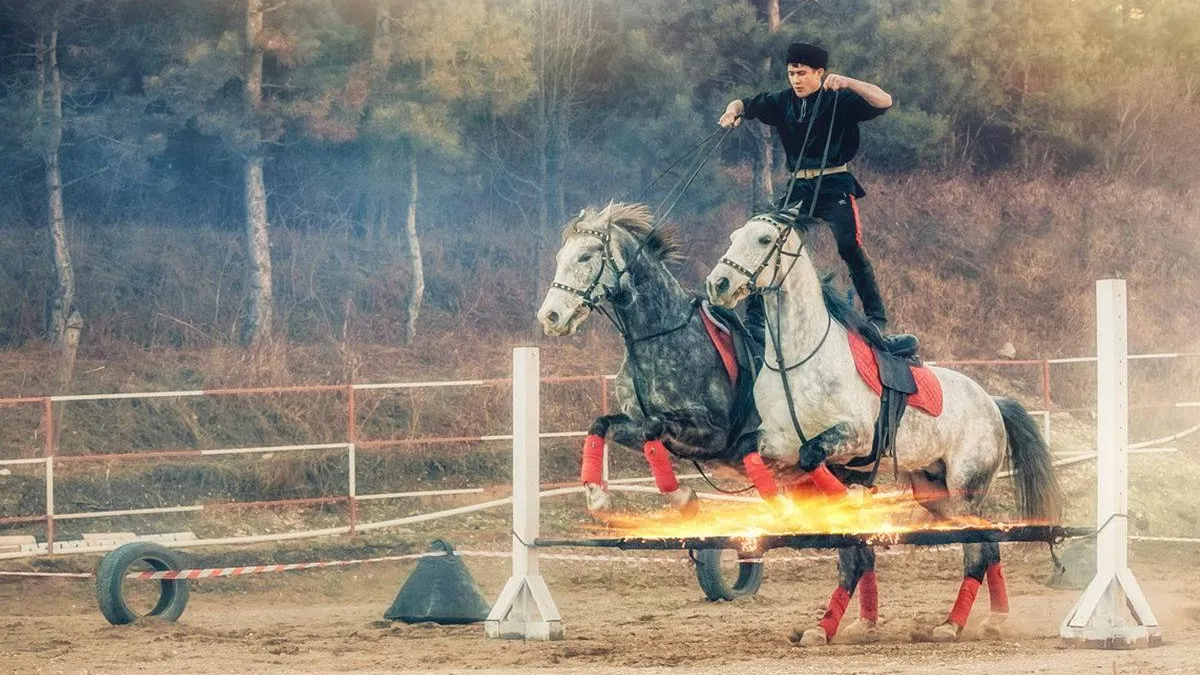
(437, 64)
(39, 114)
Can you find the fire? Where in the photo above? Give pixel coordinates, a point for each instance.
(883, 513)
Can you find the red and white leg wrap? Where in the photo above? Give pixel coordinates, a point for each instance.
(760, 475)
(593, 460)
(828, 483)
(997, 588)
(966, 598)
(833, 615)
(868, 597)
(660, 466)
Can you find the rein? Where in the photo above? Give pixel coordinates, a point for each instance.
(784, 228)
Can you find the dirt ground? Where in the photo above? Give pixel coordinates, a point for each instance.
(648, 618)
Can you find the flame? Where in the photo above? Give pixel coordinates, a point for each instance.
(876, 514)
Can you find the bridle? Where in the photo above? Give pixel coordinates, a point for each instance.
(588, 295)
(784, 223)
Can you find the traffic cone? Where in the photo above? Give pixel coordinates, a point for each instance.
(440, 590)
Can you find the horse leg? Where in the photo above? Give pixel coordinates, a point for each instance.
(978, 559)
(659, 457)
(591, 473)
(993, 625)
(832, 442)
(745, 450)
(863, 629)
(852, 567)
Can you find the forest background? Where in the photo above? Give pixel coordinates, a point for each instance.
(235, 192)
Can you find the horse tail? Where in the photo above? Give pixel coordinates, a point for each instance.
(1038, 493)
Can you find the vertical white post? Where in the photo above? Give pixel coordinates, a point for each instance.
(1098, 619)
(525, 609)
(50, 504)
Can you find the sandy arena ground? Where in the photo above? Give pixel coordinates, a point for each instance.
(619, 618)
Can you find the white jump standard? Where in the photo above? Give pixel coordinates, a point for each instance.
(1099, 619)
(525, 609)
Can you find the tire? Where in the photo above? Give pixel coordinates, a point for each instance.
(713, 582)
(110, 575)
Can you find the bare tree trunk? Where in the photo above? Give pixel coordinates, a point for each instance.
(65, 320)
(417, 291)
(541, 141)
(258, 326)
(378, 190)
(768, 146)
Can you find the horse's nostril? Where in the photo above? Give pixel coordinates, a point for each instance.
(723, 284)
(552, 317)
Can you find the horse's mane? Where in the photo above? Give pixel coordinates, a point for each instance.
(661, 244)
(845, 313)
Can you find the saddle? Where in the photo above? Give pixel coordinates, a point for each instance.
(900, 381)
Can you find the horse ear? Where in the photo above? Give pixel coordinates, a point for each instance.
(790, 214)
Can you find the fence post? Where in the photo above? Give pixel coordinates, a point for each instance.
(51, 442)
(351, 440)
(1099, 618)
(525, 609)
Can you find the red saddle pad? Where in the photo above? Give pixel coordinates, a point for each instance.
(929, 389)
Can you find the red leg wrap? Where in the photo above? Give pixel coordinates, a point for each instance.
(827, 482)
(660, 466)
(833, 616)
(997, 588)
(868, 597)
(760, 475)
(802, 489)
(593, 460)
(966, 598)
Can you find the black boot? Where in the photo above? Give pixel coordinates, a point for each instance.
(903, 345)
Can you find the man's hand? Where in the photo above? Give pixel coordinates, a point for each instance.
(733, 114)
(872, 94)
(834, 82)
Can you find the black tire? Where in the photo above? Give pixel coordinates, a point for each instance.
(110, 576)
(713, 582)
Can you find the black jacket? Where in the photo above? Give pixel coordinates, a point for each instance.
(791, 115)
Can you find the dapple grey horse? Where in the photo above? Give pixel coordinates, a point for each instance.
(950, 460)
(673, 388)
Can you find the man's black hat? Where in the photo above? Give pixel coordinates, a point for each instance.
(807, 55)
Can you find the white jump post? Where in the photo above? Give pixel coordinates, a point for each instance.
(525, 609)
(1099, 619)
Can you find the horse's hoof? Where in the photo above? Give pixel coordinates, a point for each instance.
(685, 499)
(599, 503)
(858, 496)
(813, 637)
(947, 632)
(861, 632)
(993, 625)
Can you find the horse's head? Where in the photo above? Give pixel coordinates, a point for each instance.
(768, 241)
(597, 247)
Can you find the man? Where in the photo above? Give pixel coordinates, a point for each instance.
(792, 111)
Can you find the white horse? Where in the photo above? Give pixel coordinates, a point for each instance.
(950, 459)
